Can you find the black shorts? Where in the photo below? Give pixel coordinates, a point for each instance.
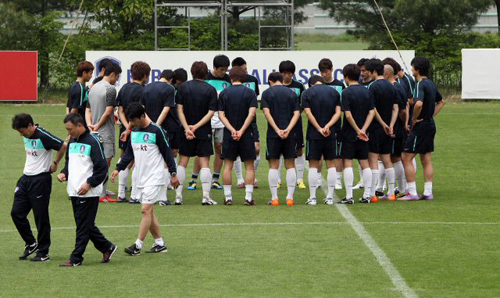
(196, 147)
(379, 142)
(122, 145)
(421, 138)
(256, 135)
(244, 148)
(354, 150)
(317, 148)
(299, 134)
(397, 147)
(174, 139)
(277, 147)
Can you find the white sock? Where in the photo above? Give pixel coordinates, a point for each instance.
(331, 178)
(248, 192)
(159, 241)
(373, 186)
(279, 169)
(291, 181)
(206, 179)
(238, 169)
(428, 188)
(412, 188)
(381, 175)
(273, 178)
(256, 163)
(300, 163)
(122, 182)
(313, 180)
(139, 243)
(348, 181)
(181, 175)
(227, 192)
(133, 193)
(400, 176)
(361, 174)
(339, 177)
(391, 179)
(367, 180)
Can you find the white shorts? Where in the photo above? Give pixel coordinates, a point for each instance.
(152, 194)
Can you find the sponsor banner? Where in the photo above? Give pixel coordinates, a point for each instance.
(479, 70)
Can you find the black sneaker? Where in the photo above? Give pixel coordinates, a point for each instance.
(379, 193)
(228, 202)
(164, 203)
(106, 256)
(28, 250)
(133, 250)
(365, 200)
(158, 248)
(68, 263)
(122, 200)
(41, 258)
(347, 201)
(134, 201)
(249, 203)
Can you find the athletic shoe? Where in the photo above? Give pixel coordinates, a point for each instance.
(122, 200)
(255, 185)
(249, 203)
(387, 197)
(396, 191)
(379, 193)
(329, 201)
(109, 193)
(164, 203)
(107, 199)
(241, 185)
(45, 258)
(290, 202)
(178, 201)
(192, 185)
(68, 263)
(133, 250)
(427, 198)
(359, 185)
(400, 195)
(374, 199)
(338, 185)
(274, 202)
(216, 185)
(409, 197)
(364, 201)
(28, 250)
(301, 185)
(347, 201)
(279, 185)
(228, 202)
(311, 201)
(134, 201)
(208, 201)
(158, 249)
(106, 256)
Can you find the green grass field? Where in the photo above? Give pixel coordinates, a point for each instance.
(445, 248)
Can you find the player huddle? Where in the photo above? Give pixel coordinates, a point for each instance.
(379, 116)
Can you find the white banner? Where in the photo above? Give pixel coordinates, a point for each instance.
(260, 64)
(479, 74)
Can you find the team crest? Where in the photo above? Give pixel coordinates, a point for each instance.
(146, 137)
(82, 148)
(33, 143)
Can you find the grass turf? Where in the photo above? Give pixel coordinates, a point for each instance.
(444, 248)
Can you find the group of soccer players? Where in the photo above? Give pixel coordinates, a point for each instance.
(378, 116)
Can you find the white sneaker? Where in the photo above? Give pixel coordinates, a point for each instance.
(311, 201)
(338, 185)
(359, 185)
(178, 201)
(329, 201)
(208, 201)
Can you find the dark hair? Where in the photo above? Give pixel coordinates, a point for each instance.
(199, 70)
(352, 72)
(104, 63)
(140, 69)
(22, 121)
(221, 61)
(113, 68)
(238, 61)
(275, 77)
(168, 74)
(314, 79)
(422, 65)
(287, 66)
(74, 118)
(362, 62)
(375, 64)
(84, 66)
(237, 74)
(325, 64)
(393, 63)
(181, 75)
(135, 110)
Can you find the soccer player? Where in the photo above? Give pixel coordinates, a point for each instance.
(78, 93)
(196, 105)
(181, 77)
(287, 70)
(99, 115)
(237, 106)
(282, 111)
(382, 129)
(102, 69)
(321, 104)
(85, 171)
(325, 66)
(252, 83)
(357, 103)
(35, 185)
(428, 103)
(129, 93)
(148, 147)
(365, 78)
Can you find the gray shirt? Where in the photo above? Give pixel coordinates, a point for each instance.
(103, 95)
